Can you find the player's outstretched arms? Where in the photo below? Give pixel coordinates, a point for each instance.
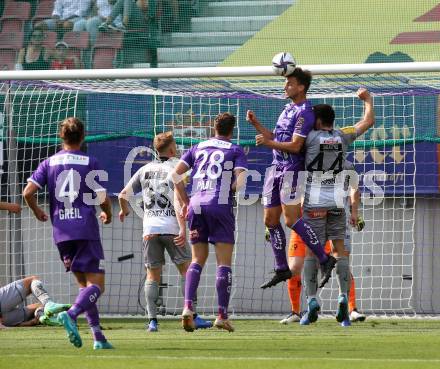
(252, 119)
(29, 196)
(11, 207)
(369, 116)
(106, 213)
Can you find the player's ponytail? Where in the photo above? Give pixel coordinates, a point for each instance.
(72, 131)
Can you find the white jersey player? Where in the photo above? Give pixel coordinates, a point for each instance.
(163, 226)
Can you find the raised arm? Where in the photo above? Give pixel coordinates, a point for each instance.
(252, 119)
(369, 116)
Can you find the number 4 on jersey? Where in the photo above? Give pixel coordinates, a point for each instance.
(65, 187)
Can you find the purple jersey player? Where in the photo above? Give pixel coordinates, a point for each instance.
(73, 182)
(217, 171)
(286, 141)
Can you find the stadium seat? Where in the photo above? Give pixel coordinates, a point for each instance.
(50, 39)
(10, 44)
(106, 49)
(109, 40)
(13, 40)
(12, 25)
(17, 10)
(103, 58)
(78, 42)
(43, 11)
(14, 16)
(8, 59)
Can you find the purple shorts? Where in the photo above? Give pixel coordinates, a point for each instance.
(280, 184)
(215, 223)
(85, 256)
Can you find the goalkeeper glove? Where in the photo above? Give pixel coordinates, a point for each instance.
(267, 235)
(360, 223)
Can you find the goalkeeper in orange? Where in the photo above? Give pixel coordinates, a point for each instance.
(297, 252)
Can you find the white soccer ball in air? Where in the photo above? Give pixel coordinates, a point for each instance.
(283, 64)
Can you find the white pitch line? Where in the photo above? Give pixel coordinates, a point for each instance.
(223, 358)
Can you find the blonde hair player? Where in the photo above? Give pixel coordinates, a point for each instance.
(163, 226)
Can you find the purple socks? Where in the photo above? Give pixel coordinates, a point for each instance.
(86, 303)
(85, 300)
(278, 242)
(223, 285)
(306, 232)
(92, 316)
(191, 283)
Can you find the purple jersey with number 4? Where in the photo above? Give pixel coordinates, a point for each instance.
(213, 163)
(72, 183)
(294, 120)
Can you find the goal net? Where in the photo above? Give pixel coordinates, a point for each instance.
(393, 258)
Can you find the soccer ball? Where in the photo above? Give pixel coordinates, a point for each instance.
(283, 64)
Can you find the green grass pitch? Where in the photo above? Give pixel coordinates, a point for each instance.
(376, 343)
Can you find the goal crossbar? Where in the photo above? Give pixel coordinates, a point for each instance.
(255, 71)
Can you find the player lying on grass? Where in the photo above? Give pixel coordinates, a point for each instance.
(326, 150)
(280, 183)
(217, 172)
(13, 309)
(163, 227)
(297, 252)
(73, 179)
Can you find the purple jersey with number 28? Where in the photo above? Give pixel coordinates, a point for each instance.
(72, 183)
(210, 215)
(213, 162)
